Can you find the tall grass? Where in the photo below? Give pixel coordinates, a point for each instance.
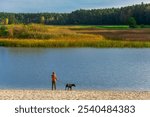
(96, 43)
(34, 35)
(37, 31)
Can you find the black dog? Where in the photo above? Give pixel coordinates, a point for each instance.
(69, 86)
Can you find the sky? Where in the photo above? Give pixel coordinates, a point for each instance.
(61, 6)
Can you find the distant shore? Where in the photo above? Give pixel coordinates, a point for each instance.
(73, 95)
(35, 35)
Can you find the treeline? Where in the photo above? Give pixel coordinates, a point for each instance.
(108, 16)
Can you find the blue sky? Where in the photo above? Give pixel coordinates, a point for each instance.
(61, 5)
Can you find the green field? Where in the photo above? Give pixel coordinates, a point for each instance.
(35, 35)
(112, 27)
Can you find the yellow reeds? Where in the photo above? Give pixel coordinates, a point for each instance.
(35, 35)
(57, 43)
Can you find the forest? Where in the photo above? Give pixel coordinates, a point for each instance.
(107, 16)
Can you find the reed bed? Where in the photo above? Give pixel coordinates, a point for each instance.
(34, 35)
(58, 43)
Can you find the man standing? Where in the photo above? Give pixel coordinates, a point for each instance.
(54, 78)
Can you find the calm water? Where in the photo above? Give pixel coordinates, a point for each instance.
(88, 68)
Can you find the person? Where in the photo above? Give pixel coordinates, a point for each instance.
(54, 79)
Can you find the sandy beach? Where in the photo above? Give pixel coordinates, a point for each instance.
(73, 95)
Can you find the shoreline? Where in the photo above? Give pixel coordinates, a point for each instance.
(24, 94)
(69, 43)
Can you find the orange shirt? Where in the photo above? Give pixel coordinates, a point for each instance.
(54, 77)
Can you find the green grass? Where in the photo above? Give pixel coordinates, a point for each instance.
(113, 27)
(121, 27)
(82, 27)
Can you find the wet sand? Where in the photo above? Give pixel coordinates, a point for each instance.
(73, 95)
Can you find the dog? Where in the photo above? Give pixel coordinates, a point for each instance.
(69, 86)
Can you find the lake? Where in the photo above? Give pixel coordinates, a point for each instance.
(88, 68)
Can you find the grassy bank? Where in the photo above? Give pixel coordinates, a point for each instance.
(34, 35)
(73, 43)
